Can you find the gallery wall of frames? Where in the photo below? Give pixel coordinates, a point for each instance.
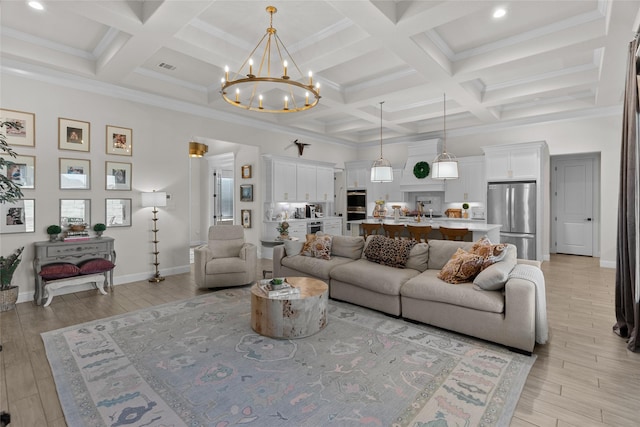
(75, 172)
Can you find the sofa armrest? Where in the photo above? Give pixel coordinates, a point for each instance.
(247, 250)
(520, 312)
(533, 262)
(201, 255)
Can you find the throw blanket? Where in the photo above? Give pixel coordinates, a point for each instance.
(535, 276)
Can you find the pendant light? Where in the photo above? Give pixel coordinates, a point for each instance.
(445, 165)
(381, 170)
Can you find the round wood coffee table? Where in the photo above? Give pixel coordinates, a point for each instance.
(297, 316)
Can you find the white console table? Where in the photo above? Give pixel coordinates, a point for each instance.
(73, 252)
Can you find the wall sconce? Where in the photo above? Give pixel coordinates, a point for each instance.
(197, 149)
(153, 200)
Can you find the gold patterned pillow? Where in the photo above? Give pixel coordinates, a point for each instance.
(462, 267)
(318, 246)
(490, 252)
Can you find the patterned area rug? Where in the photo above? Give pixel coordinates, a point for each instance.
(197, 362)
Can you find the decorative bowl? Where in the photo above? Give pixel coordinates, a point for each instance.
(77, 227)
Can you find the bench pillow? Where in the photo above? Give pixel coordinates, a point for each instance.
(59, 270)
(96, 265)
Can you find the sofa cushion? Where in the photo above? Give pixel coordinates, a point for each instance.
(490, 252)
(318, 245)
(293, 247)
(59, 270)
(496, 275)
(347, 246)
(427, 286)
(96, 265)
(225, 265)
(312, 266)
(462, 267)
(441, 251)
(418, 257)
(372, 276)
(225, 248)
(387, 251)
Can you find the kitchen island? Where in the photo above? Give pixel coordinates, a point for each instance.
(477, 228)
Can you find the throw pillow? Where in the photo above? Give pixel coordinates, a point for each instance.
(322, 246)
(387, 251)
(490, 252)
(59, 270)
(96, 265)
(293, 247)
(306, 248)
(496, 275)
(462, 267)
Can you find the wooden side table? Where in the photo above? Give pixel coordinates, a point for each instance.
(296, 317)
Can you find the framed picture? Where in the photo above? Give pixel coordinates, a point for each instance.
(246, 218)
(25, 133)
(246, 171)
(117, 212)
(75, 174)
(18, 217)
(119, 141)
(75, 211)
(118, 176)
(73, 135)
(246, 193)
(21, 170)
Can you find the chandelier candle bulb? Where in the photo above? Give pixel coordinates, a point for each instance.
(318, 88)
(286, 102)
(260, 101)
(285, 64)
(222, 82)
(310, 79)
(251, 68)
(306, 98)
(226, 72)
(238, 96)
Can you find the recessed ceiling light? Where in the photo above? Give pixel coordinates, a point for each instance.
(36, 5)
(499, 12)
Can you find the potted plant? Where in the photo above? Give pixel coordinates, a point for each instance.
(465, 206)
(283, 229)
(99, 228)
(9, 190)
(9, 293)
(53, 231)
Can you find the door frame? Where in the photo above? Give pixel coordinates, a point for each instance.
(595, 156)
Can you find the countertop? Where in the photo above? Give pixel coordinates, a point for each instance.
(471, 225)
(303, 219)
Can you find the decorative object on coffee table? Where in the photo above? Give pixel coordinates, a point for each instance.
(153, 200)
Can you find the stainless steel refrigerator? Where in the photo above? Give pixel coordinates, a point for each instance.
(513, 204)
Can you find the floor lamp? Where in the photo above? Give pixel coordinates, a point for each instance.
(153, 200)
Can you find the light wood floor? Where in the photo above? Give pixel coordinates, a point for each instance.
(584, 376)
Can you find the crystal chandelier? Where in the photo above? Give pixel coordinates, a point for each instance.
(381, 170)
(445, 165)
(255, 88)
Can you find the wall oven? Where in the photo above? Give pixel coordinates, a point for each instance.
(314, 226)
(356, 205)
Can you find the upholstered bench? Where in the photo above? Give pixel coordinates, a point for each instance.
(52, 286)
(57, 276)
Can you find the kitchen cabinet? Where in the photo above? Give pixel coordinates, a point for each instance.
(306, 185)
(389, 191)
(471, 184)
(298, 229)
(332, 226)
(324, 184)
(283, 185)
(358, 174)
(512, 162)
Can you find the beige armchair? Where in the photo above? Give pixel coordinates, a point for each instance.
(227, 260)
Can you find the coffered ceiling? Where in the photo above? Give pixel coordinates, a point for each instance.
(545, 60)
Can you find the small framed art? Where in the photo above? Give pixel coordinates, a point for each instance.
(75, 174)
(25, 131)
(246, 218)
(118, 212)
(119, 141)
(246, 171)
(118, 176)
(246, 193)
(75, 211)
(18, 217)
(74, 135)
(21, 170)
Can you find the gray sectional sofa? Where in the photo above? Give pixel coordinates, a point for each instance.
(500, 306)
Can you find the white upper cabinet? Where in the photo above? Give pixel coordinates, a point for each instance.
(284, 181)
(513, 162)
(324, 184)
(306, 187)
(358, 174)
(471, 184)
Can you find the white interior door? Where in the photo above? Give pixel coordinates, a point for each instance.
(574, 206)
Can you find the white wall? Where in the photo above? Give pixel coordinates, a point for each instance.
(160, 161)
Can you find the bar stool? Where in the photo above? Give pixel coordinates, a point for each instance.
(453, 233)
(419, 233)
(394, 231)
(369, 229)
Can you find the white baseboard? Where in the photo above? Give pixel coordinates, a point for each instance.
(607, 264)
